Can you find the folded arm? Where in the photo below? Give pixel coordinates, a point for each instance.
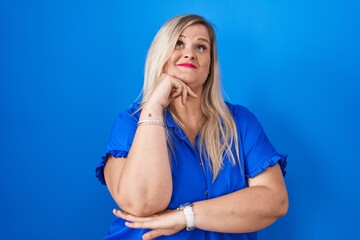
(246, 210)
(141, 184)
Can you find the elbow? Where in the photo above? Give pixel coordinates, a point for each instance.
(283, 207)
(142, 208)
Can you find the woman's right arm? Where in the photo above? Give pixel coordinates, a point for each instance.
(141, 184)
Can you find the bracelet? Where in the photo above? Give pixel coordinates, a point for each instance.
(151, 122)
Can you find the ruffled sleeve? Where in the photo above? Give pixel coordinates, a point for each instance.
(121, 137)
(100, 168)
(278, 158)
(257, 151)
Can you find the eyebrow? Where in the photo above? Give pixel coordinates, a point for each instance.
(201, 39)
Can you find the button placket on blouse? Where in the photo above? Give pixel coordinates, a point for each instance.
(203, 166)
(195, 150)
(206, 192)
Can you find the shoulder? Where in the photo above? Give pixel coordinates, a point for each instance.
(124, 126)
(132, 113)
(244, 118)
(127, 120)
(239, 111)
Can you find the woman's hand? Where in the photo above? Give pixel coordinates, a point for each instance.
(163, 224)
(168, 89)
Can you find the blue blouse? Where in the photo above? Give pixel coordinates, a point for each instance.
(192, 178)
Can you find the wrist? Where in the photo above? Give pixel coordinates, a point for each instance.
(153, 108)
(186, 208)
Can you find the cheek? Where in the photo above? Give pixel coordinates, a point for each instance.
(169, 69)
(206, 65)
(169, 65)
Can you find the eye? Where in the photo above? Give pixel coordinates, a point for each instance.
(201, 48)
(179, 44)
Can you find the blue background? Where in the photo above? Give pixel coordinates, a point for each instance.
(67, 68)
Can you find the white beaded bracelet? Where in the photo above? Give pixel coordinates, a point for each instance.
(151, 122)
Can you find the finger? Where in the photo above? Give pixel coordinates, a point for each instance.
(191, 93)
(122, 214)
(152, 234)
(184, 96)
(142, 224)
(152, 224)
(178, 91)
(175, 95)
(126, 216)
(117, 213)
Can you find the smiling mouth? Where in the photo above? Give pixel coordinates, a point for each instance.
(187, 65)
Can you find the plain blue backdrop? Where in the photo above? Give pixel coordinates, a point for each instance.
(67, 68)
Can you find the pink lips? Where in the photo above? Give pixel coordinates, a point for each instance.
(187, 65)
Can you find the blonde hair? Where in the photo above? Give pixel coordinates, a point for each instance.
(219, 132)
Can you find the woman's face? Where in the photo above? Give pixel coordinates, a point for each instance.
(190, 61)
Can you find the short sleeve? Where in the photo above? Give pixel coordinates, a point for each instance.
(257, 151)
(121, 138)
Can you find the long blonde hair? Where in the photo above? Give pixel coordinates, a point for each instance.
(219, 132)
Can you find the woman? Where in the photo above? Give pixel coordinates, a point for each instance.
(184, 163)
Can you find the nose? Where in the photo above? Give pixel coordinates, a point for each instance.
(189, 53)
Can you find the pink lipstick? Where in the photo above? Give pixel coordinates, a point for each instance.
(187, 65)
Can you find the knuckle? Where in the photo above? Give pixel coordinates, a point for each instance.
(156, 233)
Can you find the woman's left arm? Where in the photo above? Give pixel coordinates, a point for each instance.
(246, 210)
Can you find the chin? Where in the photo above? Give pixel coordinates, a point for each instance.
(196, 86)
(189, 79)
(191, 82)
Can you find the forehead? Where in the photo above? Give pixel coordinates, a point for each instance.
(195, 32)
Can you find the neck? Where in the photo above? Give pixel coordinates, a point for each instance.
(189, 112)
(190, 115)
